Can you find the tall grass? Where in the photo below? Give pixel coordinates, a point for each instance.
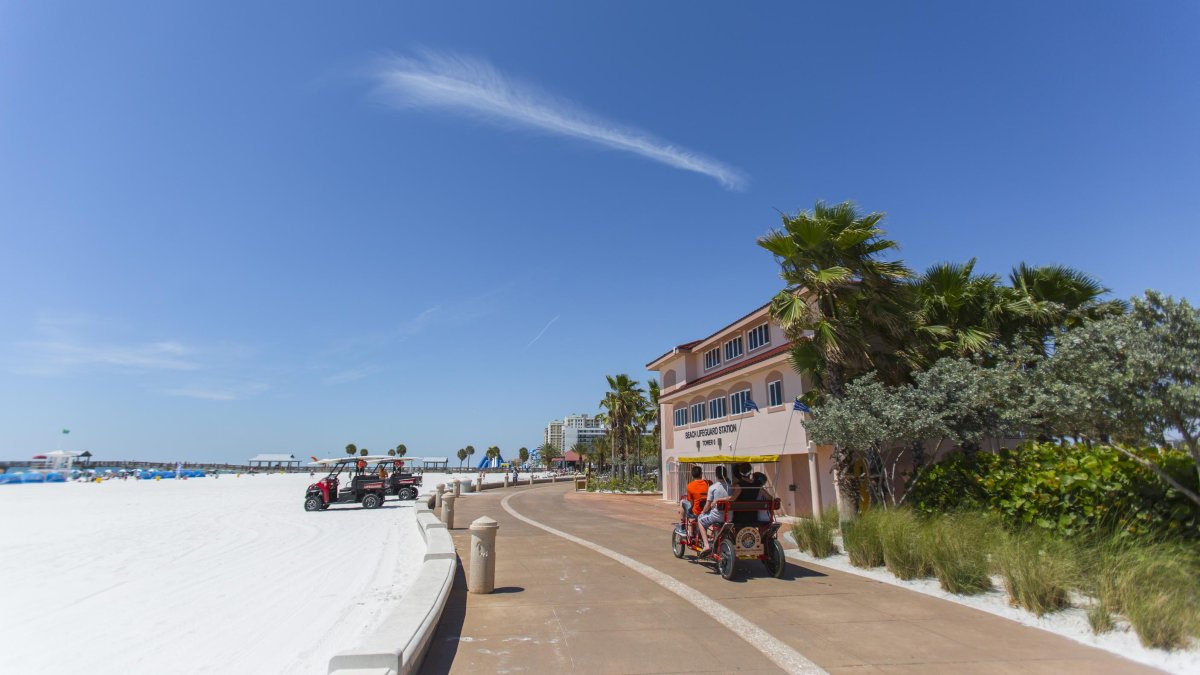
(900, 536)
(861, 539)
(1038, 570)
(956, 549)
(815, 535)
(1156, 586)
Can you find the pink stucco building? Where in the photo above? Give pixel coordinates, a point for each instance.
(704, 385)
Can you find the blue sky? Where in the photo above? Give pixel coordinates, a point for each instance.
(229, 229)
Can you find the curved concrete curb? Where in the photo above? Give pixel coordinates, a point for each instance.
(400, 641)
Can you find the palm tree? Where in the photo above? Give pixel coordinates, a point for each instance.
(647, 418)
(548, 453)
(600, 449)
(470, 450)
(392, 452)
(844, 309)
(582, 450)
(363, 452)
(622, 403)
(523, 455)
(958, 313)
(351, 450)
(462, 457)
(1053, 297)
(401, 450)
(493, 453)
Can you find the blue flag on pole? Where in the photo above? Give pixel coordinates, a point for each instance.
(747, 404)
(798, 406)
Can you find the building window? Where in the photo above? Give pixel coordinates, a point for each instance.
(681, 417)
(712, 358)
(760, 336)
(716, 408)
(733, 348)
(737, 401)
(697, 412)
(775, 392)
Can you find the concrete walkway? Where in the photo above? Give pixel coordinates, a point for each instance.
(565, 607)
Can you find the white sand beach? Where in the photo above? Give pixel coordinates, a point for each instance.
(225, 575)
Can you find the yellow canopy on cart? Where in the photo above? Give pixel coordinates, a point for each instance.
(727, 459)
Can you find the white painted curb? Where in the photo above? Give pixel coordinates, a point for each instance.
(398, 645)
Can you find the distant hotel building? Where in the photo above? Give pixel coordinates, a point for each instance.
(704, 386)
(553, 435)
(565, 433)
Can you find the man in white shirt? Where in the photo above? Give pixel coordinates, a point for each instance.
(711, 515)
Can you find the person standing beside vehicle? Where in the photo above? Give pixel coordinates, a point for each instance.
(718, 491)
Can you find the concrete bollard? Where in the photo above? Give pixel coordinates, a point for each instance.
(441, 489)
(458, 488)
(531, 479)
(448, 511)
(479, 485)
(482, 573)
(505, 480)
(553, 478)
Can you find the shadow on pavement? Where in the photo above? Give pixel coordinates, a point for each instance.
(444, 645)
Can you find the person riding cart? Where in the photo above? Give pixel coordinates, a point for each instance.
(737, 521)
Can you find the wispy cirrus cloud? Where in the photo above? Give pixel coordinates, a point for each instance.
(543, 331)
(218, 393)
(474, 87)
(58, 350)
(351, 375)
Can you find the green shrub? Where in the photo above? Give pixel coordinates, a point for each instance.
(956, 547)
(815, 535)
(1038, 570)
(900, 534)
(861, 539)
(1071, 490)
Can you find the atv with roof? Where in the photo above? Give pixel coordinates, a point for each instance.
(348, 482)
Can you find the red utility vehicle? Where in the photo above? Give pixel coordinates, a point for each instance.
(405, 485)
(748, 529)
(360, 486)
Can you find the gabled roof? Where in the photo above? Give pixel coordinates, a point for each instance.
(687, 346)
(757, 358)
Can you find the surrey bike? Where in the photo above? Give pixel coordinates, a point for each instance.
(748, 529)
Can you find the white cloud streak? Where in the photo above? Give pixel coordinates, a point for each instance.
(473, 87)
(217, 393)
(59, 355)
(543, 331)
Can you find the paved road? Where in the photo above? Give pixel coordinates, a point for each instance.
(566, 606)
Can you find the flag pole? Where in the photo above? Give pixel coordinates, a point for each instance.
(791, 414)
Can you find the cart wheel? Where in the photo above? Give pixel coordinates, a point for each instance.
(727, 561)
(313, 503)
(774, 561)
(676, 544)
(371, 501)
(407, 493)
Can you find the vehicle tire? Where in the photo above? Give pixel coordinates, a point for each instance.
(727, 560)
(313, 503)
(677, 546)
(372, 501)
(406, 494)
(775, 561)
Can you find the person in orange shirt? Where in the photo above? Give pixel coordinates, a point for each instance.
(697, 490)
